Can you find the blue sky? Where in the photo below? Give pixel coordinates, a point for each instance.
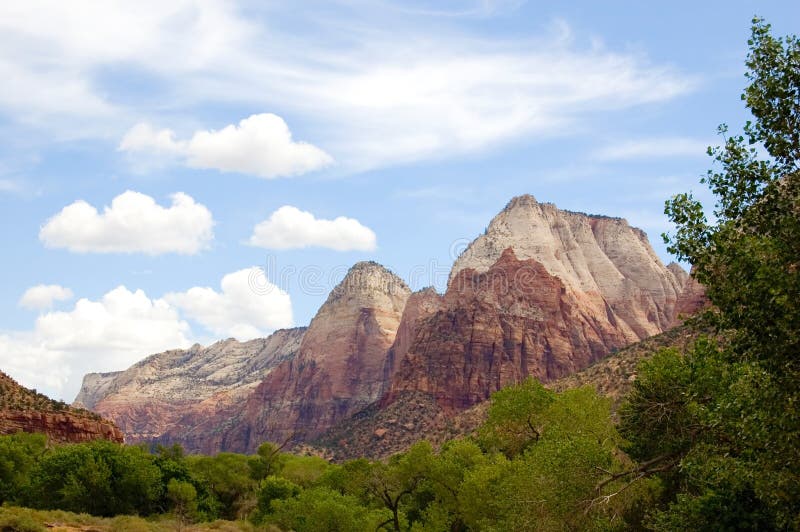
(302, 137)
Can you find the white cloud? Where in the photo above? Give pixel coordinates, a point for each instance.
(374, 98)
(289, 227)
(260, 145)
(134, 223)
(652, 148)
(124, 326)
(43, 296)
(109, 334)
(248, 306)
(6, 185)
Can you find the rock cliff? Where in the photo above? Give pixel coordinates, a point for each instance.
(605, 260)
(544, 293)
(177, 391)
(340, 366)
(25, 410)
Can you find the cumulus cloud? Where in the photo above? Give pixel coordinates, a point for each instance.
(124, 326)
(652, 148)
(247, 306)
(43, 296)
(289, 227)
(108, 334)
(259, 145)
(134, 223)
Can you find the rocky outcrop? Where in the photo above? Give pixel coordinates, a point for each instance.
(543, 293)
(605, 260)
(498, 327)
(173, 394)
(94, 387)
(24, 410)
(339, 369)
(59, 427)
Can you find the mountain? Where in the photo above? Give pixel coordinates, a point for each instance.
(543, 292)
(26, 410)
(178, 390)
(340, 367)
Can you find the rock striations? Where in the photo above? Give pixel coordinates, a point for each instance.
(26, 410)
(544, 293)
(176, 392)
(339, 369)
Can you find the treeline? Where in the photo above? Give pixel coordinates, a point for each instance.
(541, 461)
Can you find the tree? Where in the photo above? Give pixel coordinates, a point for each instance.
(730, 422)
(100, 478)
(18, 455)
(183, 498)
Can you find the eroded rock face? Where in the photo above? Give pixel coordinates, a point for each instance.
(498, 327)
(172, 395)
(24, 410)
(340, 366)
(543, 293)
(59, 427)
(604, 260)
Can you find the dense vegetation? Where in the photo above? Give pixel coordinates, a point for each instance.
(707, 440)
(541, 460)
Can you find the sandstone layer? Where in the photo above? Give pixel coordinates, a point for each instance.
(24, 410)
(602, 260)
(178, 391)
(543, 293)
(340, 366)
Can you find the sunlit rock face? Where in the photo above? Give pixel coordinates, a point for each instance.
(543, 293)
(340, 367)
(173, 395)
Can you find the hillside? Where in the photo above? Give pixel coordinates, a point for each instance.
(26, 410)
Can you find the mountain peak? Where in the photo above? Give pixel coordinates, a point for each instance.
(368, 279)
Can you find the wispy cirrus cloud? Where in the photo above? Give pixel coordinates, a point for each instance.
(651, 148)
(372, 99)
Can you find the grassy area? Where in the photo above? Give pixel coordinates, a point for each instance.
(18, 519)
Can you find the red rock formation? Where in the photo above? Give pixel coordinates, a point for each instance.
(24, 410)
(59, 427)
(171, 396)
(339, 369)
(498, 327)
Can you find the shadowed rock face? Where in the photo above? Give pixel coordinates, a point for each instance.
(543, 293)
(339, 369)
(23, 410)
(171, 396)
(498, 327)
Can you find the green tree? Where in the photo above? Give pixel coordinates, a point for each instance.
(273, 489)
(324, 510)
(183, 498)
(725, 434)
(100, 478)
(18, 455)
(227, 476)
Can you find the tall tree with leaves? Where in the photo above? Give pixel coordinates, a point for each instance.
(722, 424)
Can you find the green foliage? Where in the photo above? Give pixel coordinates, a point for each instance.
(324, 510)
(304, 471)
(228, 481)
(720, 427)
(515, 417)
(18, 455)
(101, 478)
(183, 497)
(274, 489)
